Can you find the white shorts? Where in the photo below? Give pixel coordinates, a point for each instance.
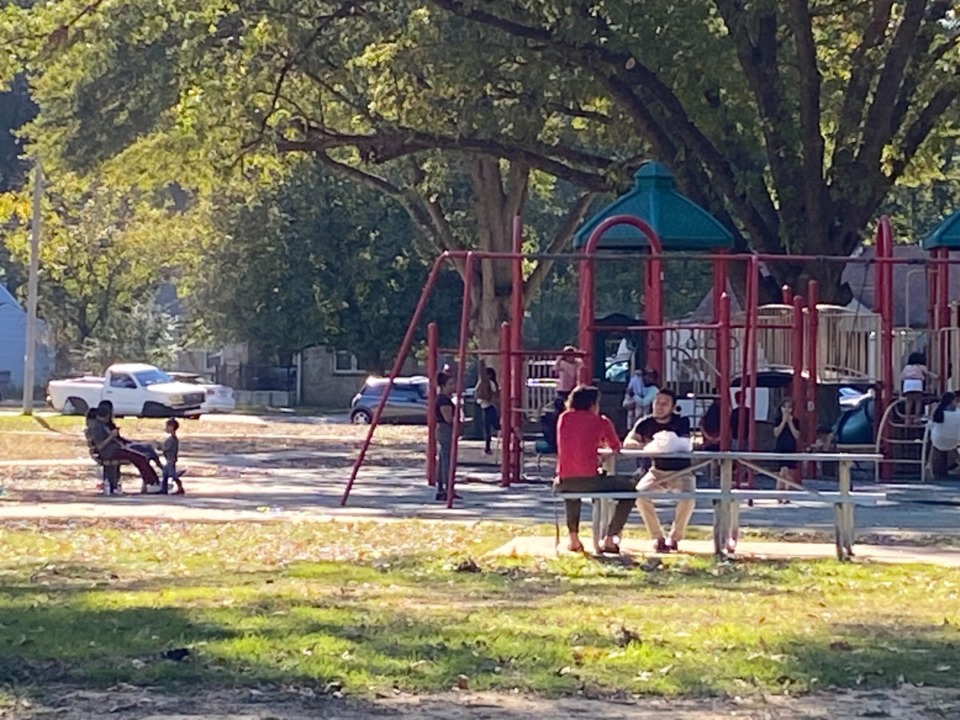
(910, 386)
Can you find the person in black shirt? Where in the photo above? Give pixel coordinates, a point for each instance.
(443, 412)
(710, 427)
(786, 430)
(735, 421)
(666, 474)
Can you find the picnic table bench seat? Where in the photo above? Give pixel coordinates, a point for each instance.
(725, 500)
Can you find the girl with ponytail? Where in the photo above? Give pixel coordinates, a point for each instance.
(944, 436)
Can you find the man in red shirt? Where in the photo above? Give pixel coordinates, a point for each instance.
(581, 432)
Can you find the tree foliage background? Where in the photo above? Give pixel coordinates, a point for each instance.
(794, 121)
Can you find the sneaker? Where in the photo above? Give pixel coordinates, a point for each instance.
(672, 545)
(660, 546)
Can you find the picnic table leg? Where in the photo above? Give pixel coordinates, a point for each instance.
(596, 516)
(719, 542)
(838, 529)
(846, 507)
(726, 508)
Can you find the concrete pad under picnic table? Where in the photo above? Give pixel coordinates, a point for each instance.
(540, 546)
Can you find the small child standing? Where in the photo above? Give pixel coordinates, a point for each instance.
(170, 447)
(912, 379)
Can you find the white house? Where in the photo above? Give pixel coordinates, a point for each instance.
(13, 335)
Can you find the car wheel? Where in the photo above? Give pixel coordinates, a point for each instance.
(361, 417)
(154, 410)
(75, 406)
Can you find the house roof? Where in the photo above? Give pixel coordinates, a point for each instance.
(7, 298)
(680, 223)
(909, 283)
(945, 235)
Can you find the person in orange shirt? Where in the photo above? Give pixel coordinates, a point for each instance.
(581, 432)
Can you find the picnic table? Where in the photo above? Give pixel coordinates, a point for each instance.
(726, 500)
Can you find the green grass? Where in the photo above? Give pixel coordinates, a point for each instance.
(62, 423)
(379, 606)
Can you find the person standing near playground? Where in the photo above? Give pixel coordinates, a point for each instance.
(170, 447)
(651, 388)
(912, 379)
(666, 474)
(567, 369)
(633, 396)
(581, 432)
(488, 398)
(443, 413)
(944, 435)
(786, 431)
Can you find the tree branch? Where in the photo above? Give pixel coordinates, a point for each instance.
(815, 191)
(559, 243)
(388, 145)
(923, 60)
(410, 201)
(878, 125)
(861, 78)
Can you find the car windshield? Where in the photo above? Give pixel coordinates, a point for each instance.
(146, 378)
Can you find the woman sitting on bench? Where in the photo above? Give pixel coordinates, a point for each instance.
(106, 441)
(581, 432)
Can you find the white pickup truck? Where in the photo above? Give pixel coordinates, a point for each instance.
(134, 389)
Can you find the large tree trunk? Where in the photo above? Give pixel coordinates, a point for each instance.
(496, 204)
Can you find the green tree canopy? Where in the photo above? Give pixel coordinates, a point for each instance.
(315, 260)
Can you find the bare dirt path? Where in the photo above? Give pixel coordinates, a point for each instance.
(129, 703)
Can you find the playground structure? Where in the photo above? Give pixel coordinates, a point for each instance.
(819, 346)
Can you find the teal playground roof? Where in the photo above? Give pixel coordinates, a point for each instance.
(944, 235)
(680, 223)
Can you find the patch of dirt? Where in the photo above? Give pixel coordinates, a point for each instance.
(131, 703)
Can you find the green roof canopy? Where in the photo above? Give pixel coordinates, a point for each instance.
(944, 235)
(680, 223)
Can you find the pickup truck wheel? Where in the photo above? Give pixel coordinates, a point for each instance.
(75, 406)
(155, 410)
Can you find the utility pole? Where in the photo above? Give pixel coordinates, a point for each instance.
(30, 352)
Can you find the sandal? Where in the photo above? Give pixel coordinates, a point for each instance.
(610, 549)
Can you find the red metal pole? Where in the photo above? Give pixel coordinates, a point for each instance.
(723, 369)
(719, 285)
(745, 363)
(432, 370)
(654, 314)
(753, 311)
(943, 306)
(813, 369)
(787, 293)
(517, 374)
(461, 371)
(394, 372)
(796, 390)
(585, 336)
(506, 405)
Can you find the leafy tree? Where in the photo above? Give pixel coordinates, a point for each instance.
(143, 332)
(315, 260)
(104, 253)
(370, 88)
(802, 115)
(16, 109)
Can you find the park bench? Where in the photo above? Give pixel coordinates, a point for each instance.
(726, 499)
(110, 468)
